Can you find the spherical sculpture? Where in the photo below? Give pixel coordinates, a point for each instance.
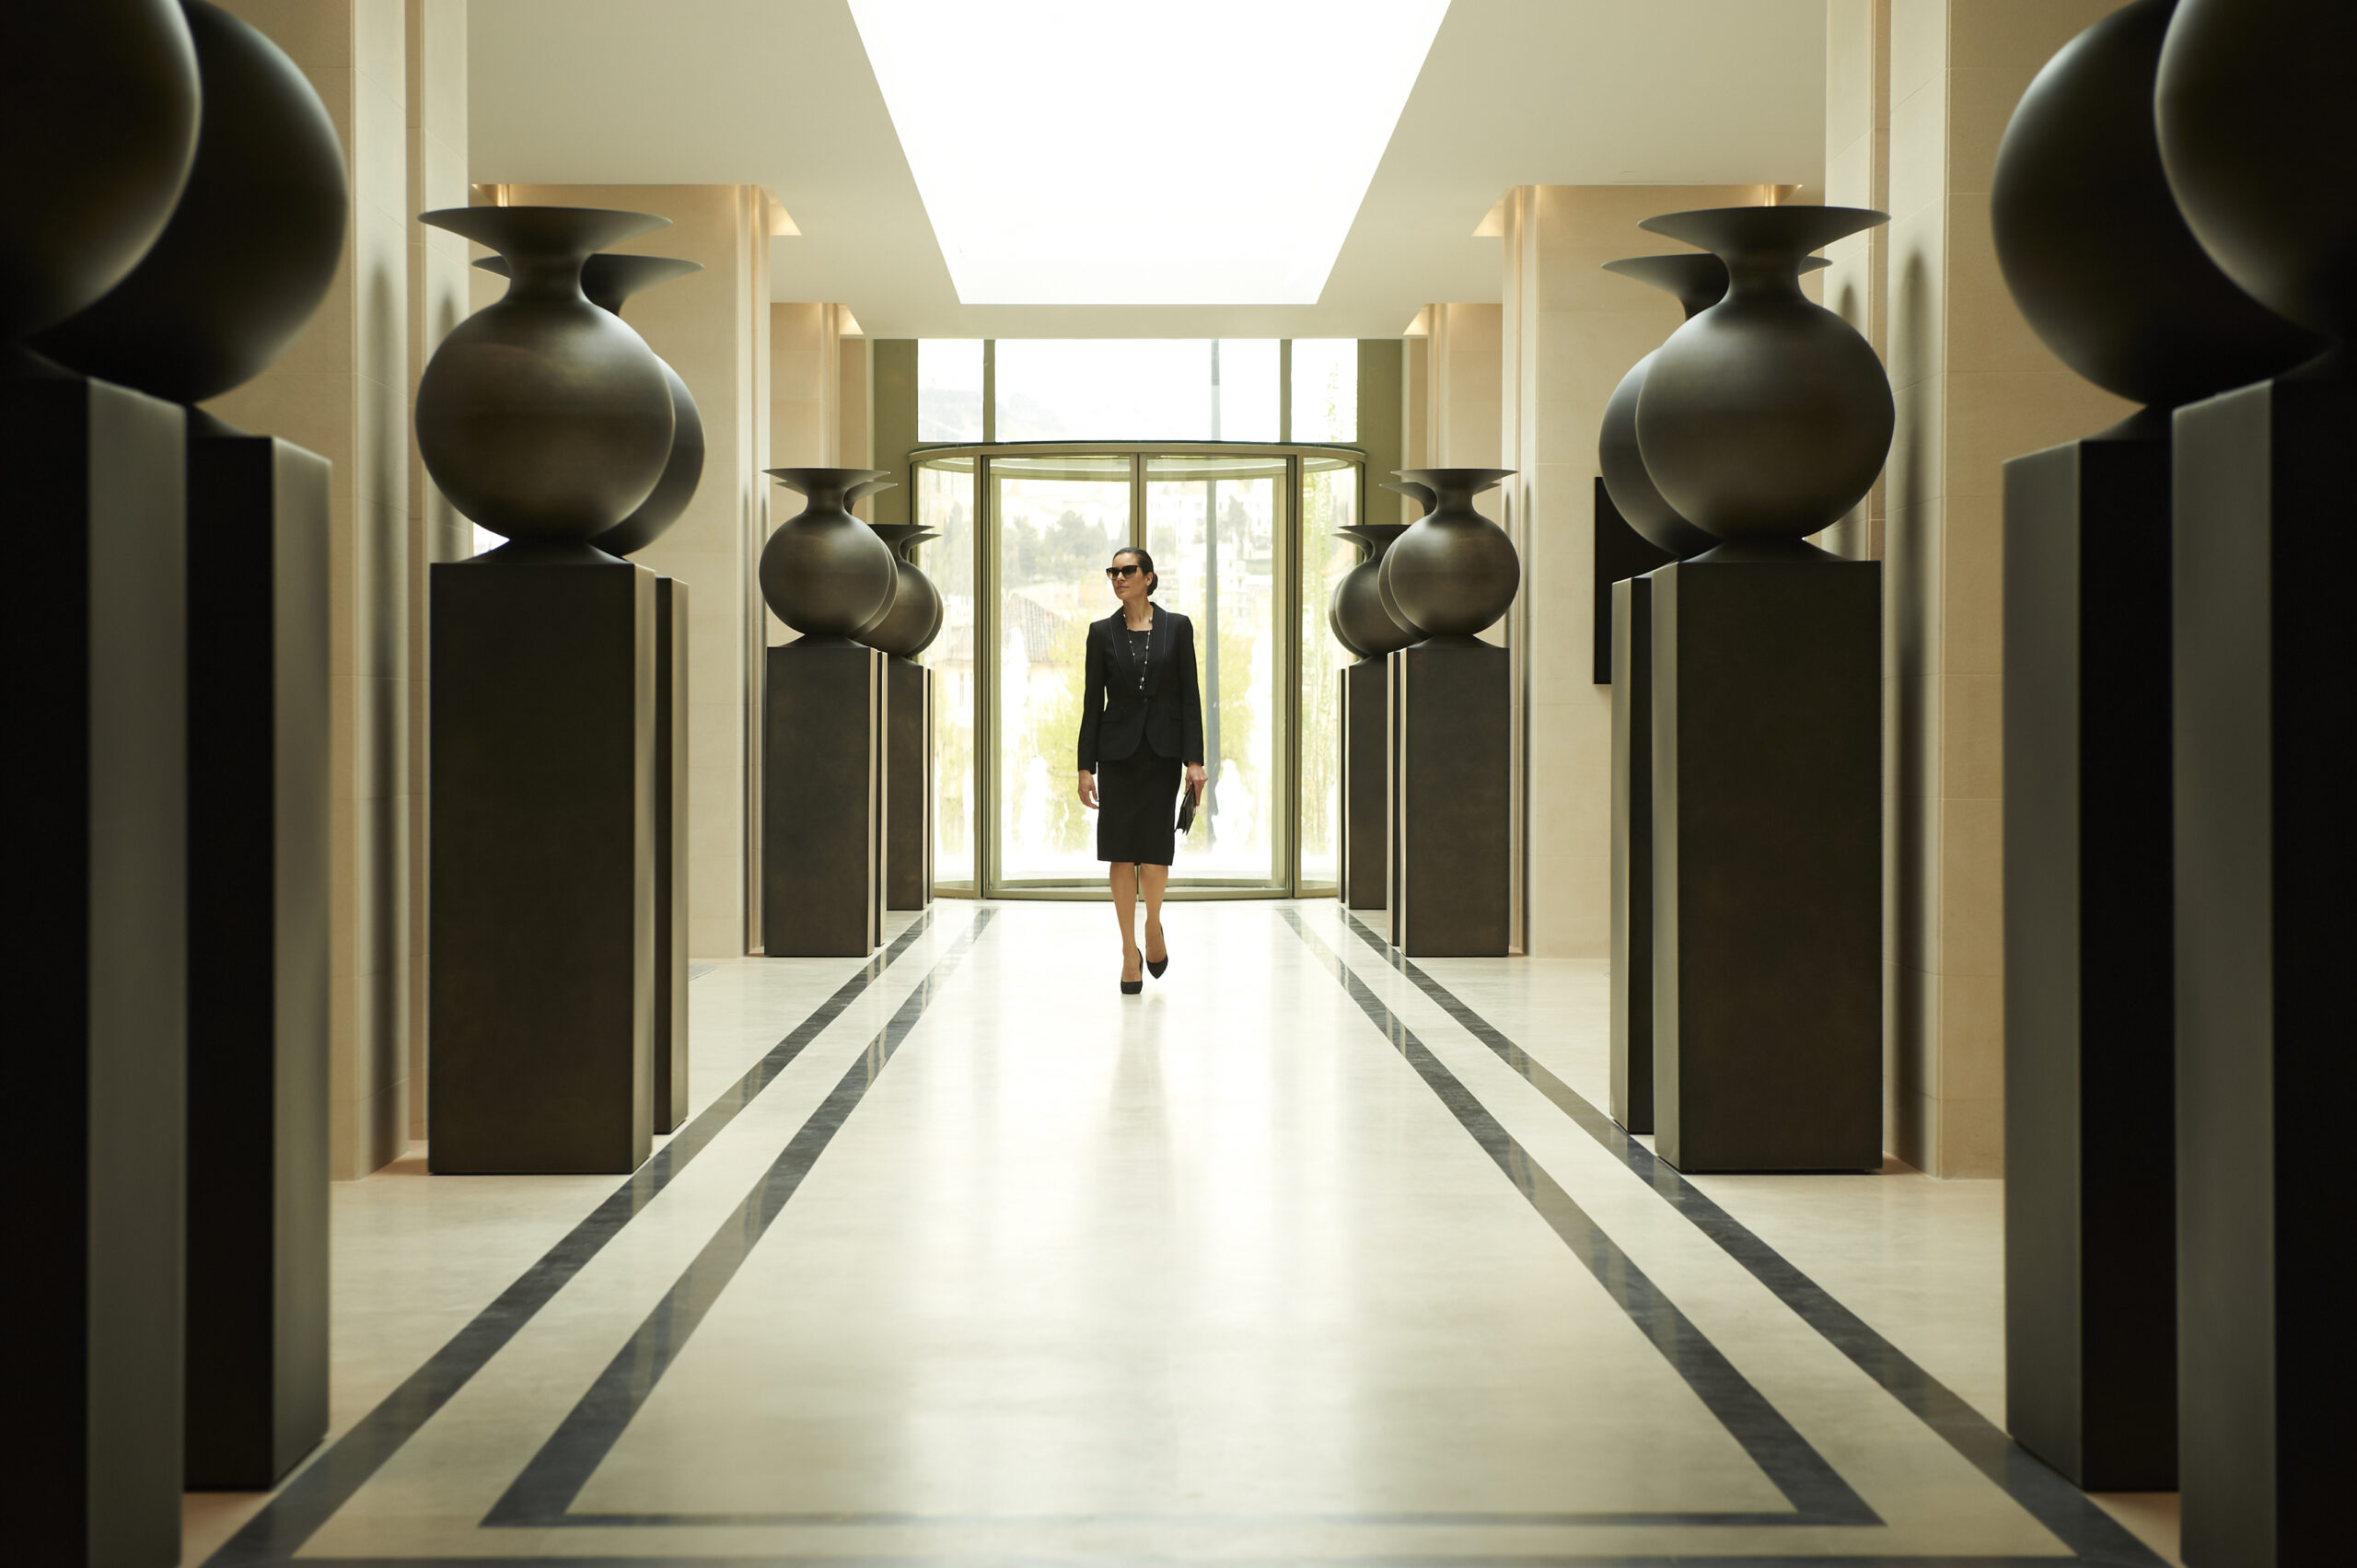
(1453, 572)
(1700, 281)
(251, 246)
(1766, 417)
(2093, 246)
(608, 281)
(543, 417)
(98, 107)
(2252, 100)
(1355, 612)
(912, 620)
(824, 572)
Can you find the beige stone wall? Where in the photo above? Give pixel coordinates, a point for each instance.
(343, 391)
(714, 329)
(439, 299)
(1973, 388)
(1857, 174)
(1571, 331)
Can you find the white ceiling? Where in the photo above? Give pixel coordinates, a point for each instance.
(779, 93)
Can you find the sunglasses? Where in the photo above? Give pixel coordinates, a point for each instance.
(1131, 570)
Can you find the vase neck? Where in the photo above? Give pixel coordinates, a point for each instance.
(1757, 277)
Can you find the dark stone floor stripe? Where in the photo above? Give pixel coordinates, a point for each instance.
(308, 1501)
(2074, 1518)
(544, 1491)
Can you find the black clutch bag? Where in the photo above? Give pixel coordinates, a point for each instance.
(1186, 807)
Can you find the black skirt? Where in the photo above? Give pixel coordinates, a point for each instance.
(1137, 807)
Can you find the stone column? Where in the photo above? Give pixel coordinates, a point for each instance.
(343, 391)
(1973, 387)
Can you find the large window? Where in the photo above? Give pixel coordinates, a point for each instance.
(1231, 459)
(1137, 389)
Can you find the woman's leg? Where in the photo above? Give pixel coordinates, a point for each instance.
(1154, 879)
(1123, 877)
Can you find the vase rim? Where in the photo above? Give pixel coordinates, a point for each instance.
(1373, 533)
(810, 480)
(1792, 230)
(514, 231)
(1473, 482)
(1698, 278)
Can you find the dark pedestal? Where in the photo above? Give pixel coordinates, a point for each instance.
(1618, 552)
(1449, 763)
(1632, 854)
(670, 1078)
(258, 707)
(2090, 1193)
(908, 843)
(823, 790)
(1363, 793)
(96, 862)
(540, 1008)
(1768, 864)
(2263, 677)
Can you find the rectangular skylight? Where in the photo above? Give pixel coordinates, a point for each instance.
(1144, 152)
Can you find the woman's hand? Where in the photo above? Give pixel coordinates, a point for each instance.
(1088, 790)
(1195, 777)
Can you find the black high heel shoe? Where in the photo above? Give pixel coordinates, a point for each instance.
(1131, 987)
(1156, 966)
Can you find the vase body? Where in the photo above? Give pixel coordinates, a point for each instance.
(913, 619)
(99, 101)
(2092, 247)
(824, 572)
(543, 417)
(609, 280)
(1453, 572)
(252, 245)
(1700, 281)
(1355, 612)
(1766, 417)
(2251, 100)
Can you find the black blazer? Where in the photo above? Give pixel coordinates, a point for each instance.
(1115, 718)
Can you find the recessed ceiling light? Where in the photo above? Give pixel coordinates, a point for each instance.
(1144, 152)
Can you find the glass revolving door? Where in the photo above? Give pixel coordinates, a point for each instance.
(1032, 527)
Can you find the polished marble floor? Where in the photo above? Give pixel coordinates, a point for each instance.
(1309, 1254)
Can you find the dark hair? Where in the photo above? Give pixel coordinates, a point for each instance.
(1152, 578)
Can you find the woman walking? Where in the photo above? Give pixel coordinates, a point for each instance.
(1140, 721)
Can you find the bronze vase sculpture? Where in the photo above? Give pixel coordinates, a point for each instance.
(1356, 611)
(1700, 281)
(250, 246)
(2107, 273)
(609, 281)
(912, 620)
(2257, 130)
(541, 416)
(1763, 420)
(122, 76)
(98, 105)
(1453, 572)
(1765, 417)
(824, 572)
(826, 703)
